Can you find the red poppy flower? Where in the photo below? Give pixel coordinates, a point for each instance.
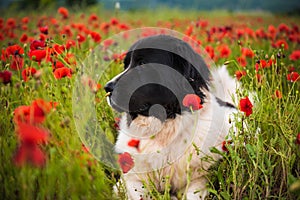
(242, 61)
(293, 77)
(25, 20)
(247, 52)
(28, 72)
(93, 17)
(271, 62)
(210, 51)
(37, 44)
(11, 22)
(283, 28)
(64, 12)
(224, 51)
(67, 31)
(282, 43)
(40, 109)
(62, 72)
(5, 77)
(225, 144)
(126, 162)
(114, 21)
(123, 26)
(22, 114)
(189, 30)
(246, 106)
(295, 55)
(258, 78)
(134, 143)
(278, 94)
(31, 134)
(57, 64)
(33, 114)
(272, 29)
(80, 38)
(240, 73)
(58, 49)
(70, 43)
(37, 55)
(105, 27)
(298, 139)
(29, 153)
(14, 54)
(23, 38)
(44, 30)
(96, 36)
(261, 64)
(192, 101)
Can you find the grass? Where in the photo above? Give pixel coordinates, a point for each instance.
(262, 162)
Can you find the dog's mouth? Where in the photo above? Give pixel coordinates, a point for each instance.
(130, 109)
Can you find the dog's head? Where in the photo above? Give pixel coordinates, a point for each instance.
(158, 72)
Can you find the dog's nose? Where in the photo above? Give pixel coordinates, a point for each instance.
(109, 87)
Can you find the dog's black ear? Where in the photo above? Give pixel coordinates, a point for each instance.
(193, 68)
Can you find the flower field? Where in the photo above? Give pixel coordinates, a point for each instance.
(42, 156)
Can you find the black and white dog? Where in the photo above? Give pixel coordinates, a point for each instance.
(166, 139)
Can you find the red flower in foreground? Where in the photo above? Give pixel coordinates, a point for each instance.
(192, 101)
(29, 153)
(33, 114)
(293, 77)
(30, 137)
(126, 162)
(62, 72)
(31, 134)
(28, 72)
(246, 106)
(134, 143)
(5, 77)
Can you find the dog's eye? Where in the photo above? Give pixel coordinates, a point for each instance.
(141, 62)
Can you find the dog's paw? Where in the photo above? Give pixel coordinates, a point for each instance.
(197, 195)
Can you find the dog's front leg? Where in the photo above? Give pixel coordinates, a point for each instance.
(197, 189)
(135, 188)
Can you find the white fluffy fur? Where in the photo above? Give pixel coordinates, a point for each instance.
(165, 148)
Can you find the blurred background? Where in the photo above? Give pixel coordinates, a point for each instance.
(276, 6)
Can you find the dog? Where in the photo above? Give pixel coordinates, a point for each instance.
(166, 139)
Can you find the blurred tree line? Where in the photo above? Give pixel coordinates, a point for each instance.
(34, 4)
(279, 6)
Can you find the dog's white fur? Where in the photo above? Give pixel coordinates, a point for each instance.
(175, 147)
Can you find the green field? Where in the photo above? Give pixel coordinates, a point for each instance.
(41, 154)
